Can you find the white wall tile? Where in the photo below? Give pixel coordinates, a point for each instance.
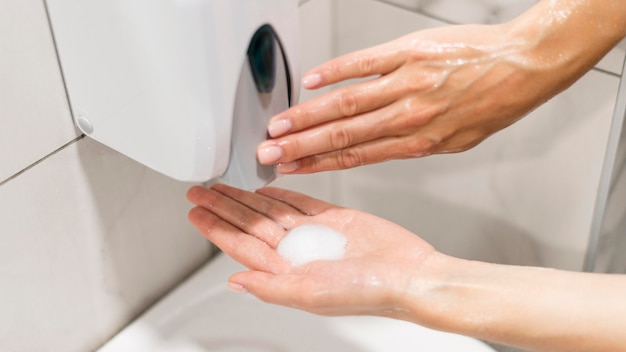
(34, 114)
(613, 61)
(467, 11)
(524, 196)
(413, 5)
(361, 24)
(89, 239)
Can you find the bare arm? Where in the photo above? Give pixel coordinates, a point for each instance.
(535, 308)
(441, 90)
(388, 271)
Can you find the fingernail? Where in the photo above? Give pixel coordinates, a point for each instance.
(311, 80)
(285, 168)
(279, 127)
(235, 287)
(270, 154)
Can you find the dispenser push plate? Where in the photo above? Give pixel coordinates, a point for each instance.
(263, 91)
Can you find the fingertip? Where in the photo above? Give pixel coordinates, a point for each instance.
(236, 287)
(279, 126)
(256, 283)
(193, 193)
(197, 214)
(312, 80)
(269, 153)
(191, 215)
(288, 167)
(241, 281)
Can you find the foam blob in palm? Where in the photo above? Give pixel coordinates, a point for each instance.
(310, 242)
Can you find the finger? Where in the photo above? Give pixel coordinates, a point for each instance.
(377, 60)
(276, 289)
(238, 215)
(282, 213)
(292, 290)
(388, 121)
(305, 204)
(372, 152)
(246, 249)
(343, 102)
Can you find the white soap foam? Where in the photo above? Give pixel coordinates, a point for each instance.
(307, 243)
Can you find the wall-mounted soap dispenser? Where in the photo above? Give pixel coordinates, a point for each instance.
(185, 87)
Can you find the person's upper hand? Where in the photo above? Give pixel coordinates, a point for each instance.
(382, 261)
(439, 90)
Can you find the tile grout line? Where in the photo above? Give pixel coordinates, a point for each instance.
(67, 96)
(605, 71)
(419, 12)
(24, 170)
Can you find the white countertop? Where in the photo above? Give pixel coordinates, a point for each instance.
(202, 315)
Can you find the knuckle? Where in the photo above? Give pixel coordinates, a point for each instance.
(348, 104)
(301, 117)
(292, 149)
(416, 119)
(420, 146)
(339, 138)
(463, 141)
(315, 163)
(416, 85)
(335, 71)
(349, 158)
(416, 113)
(366, 65)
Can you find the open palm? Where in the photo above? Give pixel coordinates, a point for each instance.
(370, 279)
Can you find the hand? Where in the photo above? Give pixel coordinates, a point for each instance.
(436, 91)
(440, 90)
(382, 259)
(388, 271)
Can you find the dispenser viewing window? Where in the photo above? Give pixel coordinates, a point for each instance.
(183, 87)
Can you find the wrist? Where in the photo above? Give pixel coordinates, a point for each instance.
(535, 308)
(436, 294)
(466, 297)
(441, 299)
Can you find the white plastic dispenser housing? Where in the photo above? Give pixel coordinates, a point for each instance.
(185, 87)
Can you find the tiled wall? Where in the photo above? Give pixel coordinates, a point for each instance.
(88, 238)
(467, 11)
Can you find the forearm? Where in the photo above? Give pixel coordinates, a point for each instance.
(534, 308)
(566, 38)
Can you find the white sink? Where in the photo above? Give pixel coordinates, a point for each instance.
(202, 315)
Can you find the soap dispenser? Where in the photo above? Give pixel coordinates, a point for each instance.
(185, 87)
